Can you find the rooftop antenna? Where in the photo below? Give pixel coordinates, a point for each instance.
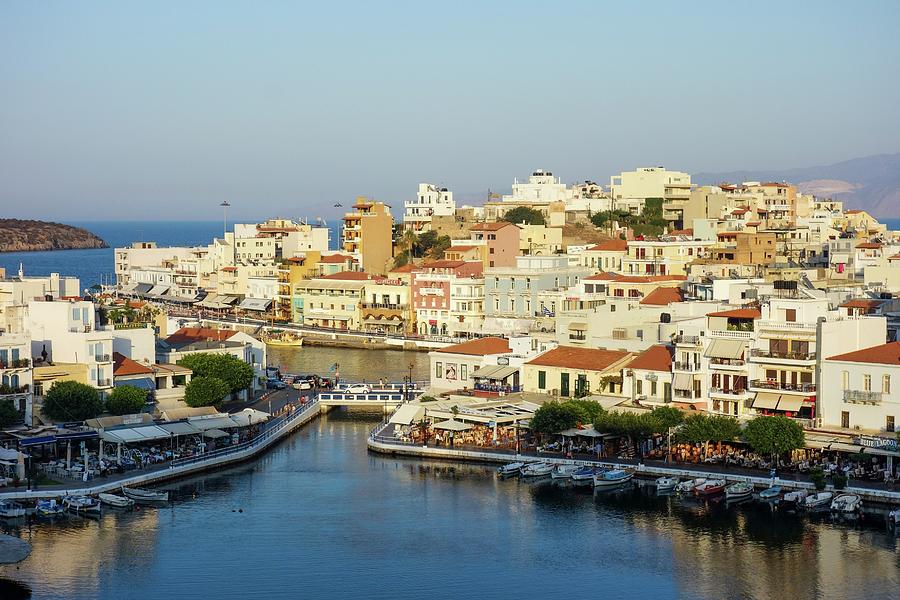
(224, 206)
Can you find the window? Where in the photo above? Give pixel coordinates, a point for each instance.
(652, 388)
(564, 384)
(886, 385)
(463, 371)
(790, 315)
(438, 370)
(639, 386)
(845, 380)
(867, 383)
(889, 423)
(542, 380)
(845, 419)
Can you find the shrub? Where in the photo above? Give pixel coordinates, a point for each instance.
(72, 401)
(126, 400)
(205, 391)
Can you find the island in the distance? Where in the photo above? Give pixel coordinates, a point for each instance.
(19, 235)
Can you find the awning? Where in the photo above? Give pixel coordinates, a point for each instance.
(766, 400)
(452, 425)
(128, 288)
(129, 435)
(207, 423)
(683, 381)
(384, 320)
(180, 428)
(142, 288)
(790, 403)
(215, 433)
(250, 416)
(258, 304)
(158, 290)
(212, 301)
(730, 349)
(586, 432)
(407, 413)
(485, 372)
(144, 383)
(225, 299)
(577, 326)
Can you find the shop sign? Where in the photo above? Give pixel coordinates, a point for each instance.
(877, 442)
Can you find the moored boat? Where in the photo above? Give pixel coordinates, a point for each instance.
(116, 500)
(613, 478)
(510, 469)
(710, 487)
(894, 517)
(82, 504)
(536, 470)
(770, 493)
(795, 498)
(563, 471)
(48, 508)
(584, 476)
(846, 503)
(139, 495)
(738, 490)
(666, 484)
(820, 500)
(687, 486)
(11, 510)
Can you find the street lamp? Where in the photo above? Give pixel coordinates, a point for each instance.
(224, 206)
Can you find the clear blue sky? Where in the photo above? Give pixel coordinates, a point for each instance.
(123, 109)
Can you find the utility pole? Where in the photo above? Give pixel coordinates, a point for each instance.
(224, 206)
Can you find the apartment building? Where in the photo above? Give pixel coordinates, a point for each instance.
(386, 307)
(605, 256)
(332, 301)
(502, 242)
(433, 285)
(431, 201)
(16, 372)
(860, 390)
(666, 255)
(649, 376)
(539, 239)
(632, 188)
(367, 235)
(452, 367)
(744, 248)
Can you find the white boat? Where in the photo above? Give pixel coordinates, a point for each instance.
(11, 510)
(814, 501)
(795, 498)
(584, 476)
(610, 479)
(666, 484)
(48, 508)
(116, 500)
(710, 487)
(738, 490)
(771, 493)
(139, 495)
(687, 486)
(510, 469)
(537, 470)
(82, 504)
(894, 517)
(564, 471)
(846, 503)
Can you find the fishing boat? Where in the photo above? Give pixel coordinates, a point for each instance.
(738, 490)
(611, 479)
(846, 504)
(283, 339)
(770, 493)
(710, 487)
(666, 484)
(536, 470)
(139, 495)
(564, 471)
(820, 500)
(82, 504)
(11, 510)
(687, 486)
(116, 500)
(795, 498)
(48, 508)
(510, 469)
(584, 476)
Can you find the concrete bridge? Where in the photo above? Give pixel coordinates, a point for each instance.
(387, 396)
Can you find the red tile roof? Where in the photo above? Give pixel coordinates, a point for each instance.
(740, 313)
(869, 246)
(855, 211)
(688, 232)
(460, 248)
(740, 211)
(663, 296)
(618, 277)
(491, 226)
(885, 354)
(866, 303)
(479, 347)
(588, 359)
(348, 276)
(612, 245)
(654, 358)
(408, 267)
(443, 264)
(192, 334)
(229, 269)
(122, 366)
(335, 258)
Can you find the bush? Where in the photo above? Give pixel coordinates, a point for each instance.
(839, 480)
(236, 374)
(72, 401)
(126, 400)
(9, 414)
(818, 479)
(205, 391)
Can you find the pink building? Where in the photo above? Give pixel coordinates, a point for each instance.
(502, 241)
(432, 285)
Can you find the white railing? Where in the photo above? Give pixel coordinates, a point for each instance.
(731, 335)
(785, 326)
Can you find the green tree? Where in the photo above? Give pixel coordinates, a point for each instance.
(589, 411)
(666, 417)
(553, 417)
(236, 374)
(126, 400)
(9, 414)
(72, 401)
(774, 435)
(205, 391)
(440, 246)
(524, 214)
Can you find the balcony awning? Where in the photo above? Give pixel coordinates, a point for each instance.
(577, 326)
(790, 403)
(142, 288)
(383, 320)
(730, 349)
(495, 373)
(226, 299)
(407, 413)
(766, 400)
(158, 290)
(683, 381)
(258, 304)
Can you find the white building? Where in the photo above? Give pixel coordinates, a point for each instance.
(630, 189)
(542, 187)
(430, 201)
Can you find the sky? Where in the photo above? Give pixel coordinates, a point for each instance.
(162, 110)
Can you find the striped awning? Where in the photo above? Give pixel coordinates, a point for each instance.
(683, 381)
(730, 349)
(766, 400)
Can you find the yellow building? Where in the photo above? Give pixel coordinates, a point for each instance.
(539, 240)
(333, 301)
(386, 307)
(568, 371)
(368, 235)
(291, 272)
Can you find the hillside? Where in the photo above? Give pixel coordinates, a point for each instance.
(871, 183)
(18, 235)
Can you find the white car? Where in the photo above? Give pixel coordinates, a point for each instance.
(302, 384)
(360, 388)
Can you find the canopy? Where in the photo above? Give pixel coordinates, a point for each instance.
(766, 400)
(586, 432)
(258, 304)
(452, 425)
(144, 383)
(9, 454)
(577, 326)
(142, 288)
(683, 381)
(250, 416)
(212, 301)
(730, 349)
(180, 428)
(790, 403)
(225, 299)
(207, 423)
(158, 290)
(407, 413)
(495, 372)
(128, 435)
(177, 414)
(215, 433)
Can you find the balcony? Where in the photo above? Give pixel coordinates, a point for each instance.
(786, 326)
(19, 363)
(686, 366)
(579, 337)
(727, 363)
(731, 392)
(731, 334)
(102, 358)
(789, 357)
(688, 340)
(384, 306)
(862, 397)
(783, 386)
(104, 383)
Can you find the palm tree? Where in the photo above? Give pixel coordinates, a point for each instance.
(409, 241)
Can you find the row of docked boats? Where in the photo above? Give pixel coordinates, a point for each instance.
(577, 474)
(83, 505)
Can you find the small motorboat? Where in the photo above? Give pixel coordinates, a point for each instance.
(584, 476)
(687, 486)
(820, 500)
(710, 487)
(510, 469)
(82, 504)
(611, 479)
(48, 508)
(116, 501)
(564, 471)
(11, 510)
(770, 493)
(139, 495)
(846, 503)
(666, 484)
(738, 490)
(894, 517)
(536, 470)
(795, 498)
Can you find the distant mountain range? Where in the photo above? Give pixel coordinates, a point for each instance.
(871, 183)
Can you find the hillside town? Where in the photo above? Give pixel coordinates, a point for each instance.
(740, 299)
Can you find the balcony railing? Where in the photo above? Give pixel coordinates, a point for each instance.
(761, 353)
(687, 339)
(730, 391)
(686, 366)
(384, 306)
(104, 383)
(769, 384)
(862, 397)
(577, 336)
(102, 358)
(731, 334)
(727, 362)
(19, 363)
(785, 325)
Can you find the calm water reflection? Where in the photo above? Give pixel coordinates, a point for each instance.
(323, 518)
(355, 365)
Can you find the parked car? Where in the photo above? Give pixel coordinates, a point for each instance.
(360, 388)
(276, 384)
(302, 384)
